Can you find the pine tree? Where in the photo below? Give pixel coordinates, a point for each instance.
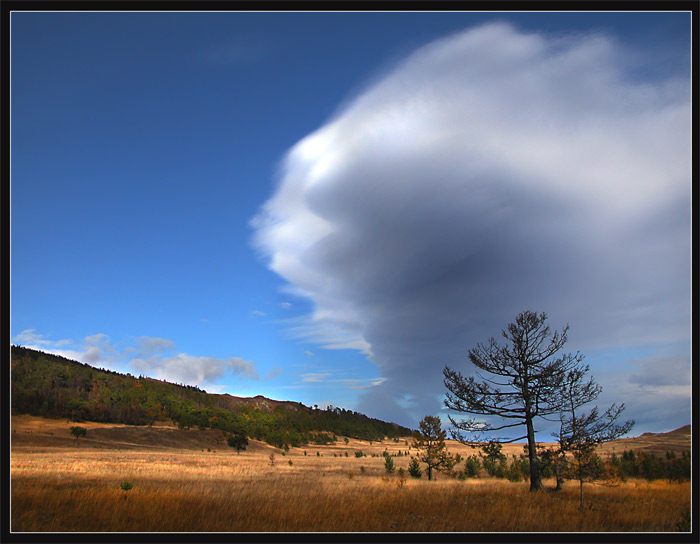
(430, 443)
(414, 468)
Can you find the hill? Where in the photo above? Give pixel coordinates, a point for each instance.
(675, 441)
(55, 387)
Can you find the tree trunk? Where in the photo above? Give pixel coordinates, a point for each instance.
(535, 476)
(430, 472)
(558, 474)
(560, 481)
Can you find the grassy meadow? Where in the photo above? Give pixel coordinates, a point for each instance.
(60, 483)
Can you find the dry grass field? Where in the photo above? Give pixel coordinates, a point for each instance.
(187, 481)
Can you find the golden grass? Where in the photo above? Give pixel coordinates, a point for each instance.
(74, 489)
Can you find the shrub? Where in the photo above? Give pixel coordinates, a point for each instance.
(402, 478)
(513, 473)
(388, 464)
(414, 468)
(359, 453)
(126, 485)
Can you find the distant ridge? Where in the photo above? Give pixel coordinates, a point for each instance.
(49, 385)
(678, 440)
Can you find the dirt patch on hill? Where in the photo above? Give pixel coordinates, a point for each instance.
(35, 433)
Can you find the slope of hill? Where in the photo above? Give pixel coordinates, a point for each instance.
(678, 440)
(52, 386)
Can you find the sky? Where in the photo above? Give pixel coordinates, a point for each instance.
(332, 207)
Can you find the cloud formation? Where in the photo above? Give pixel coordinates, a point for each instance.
(490, 172)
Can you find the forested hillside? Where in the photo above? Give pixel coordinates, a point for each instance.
(52, 386)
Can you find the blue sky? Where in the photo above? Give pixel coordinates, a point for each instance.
(331, 207)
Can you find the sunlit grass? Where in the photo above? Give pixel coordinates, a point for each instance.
(79, 490)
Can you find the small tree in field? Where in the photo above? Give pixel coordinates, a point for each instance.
(238, 441)
(389, 464)
(430, 443)
(580, 433)
(78, 431)
(414, 468)
(472, 466)
(493, 457)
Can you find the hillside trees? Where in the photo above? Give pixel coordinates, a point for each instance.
(524, 381)
(48, 385)
(429, 440)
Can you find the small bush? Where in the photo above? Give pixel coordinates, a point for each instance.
(402, 478)
(126, 485)
(78, 431)
(359, 453)
(513, 473)
(389, 464)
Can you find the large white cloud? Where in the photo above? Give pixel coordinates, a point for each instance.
(490, 172)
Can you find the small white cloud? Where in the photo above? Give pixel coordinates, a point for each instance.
(147, 346)
(96, 339)
(95, 348)
(309, 353)
(258, 313)
(273, 373)
(30, 336)
(193, 370)
(285, 305)
(314, 377)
